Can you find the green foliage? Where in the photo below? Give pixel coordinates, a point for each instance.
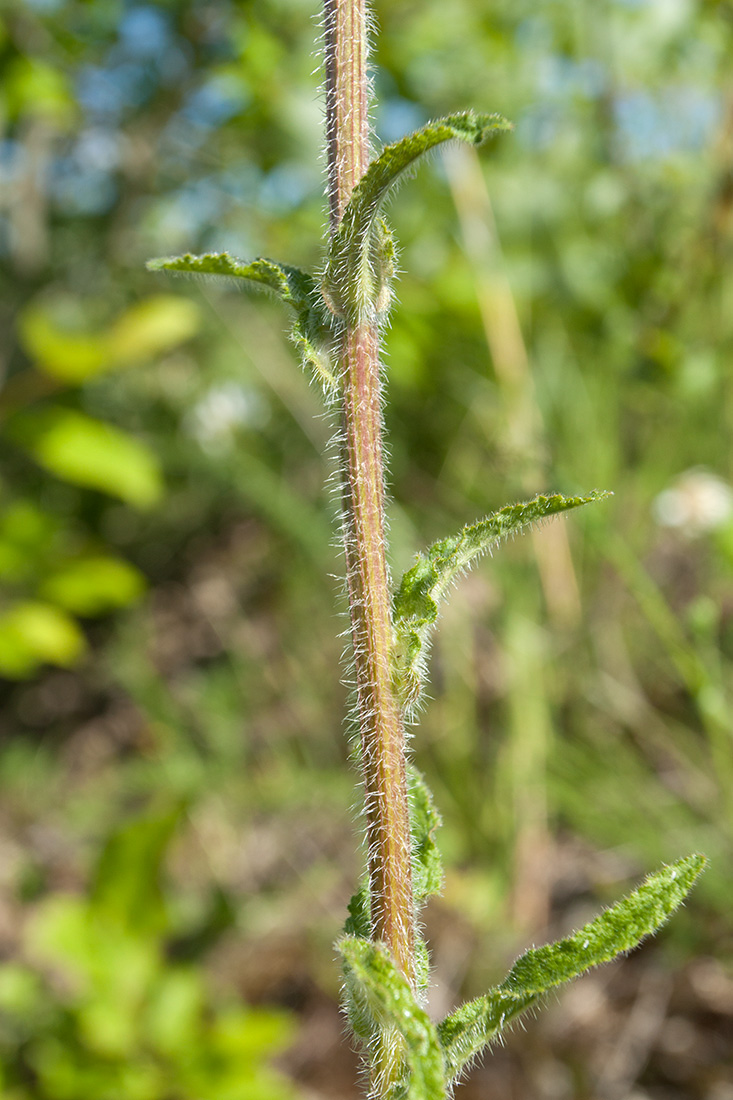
(40, 90)
(629, 350)
(32, 632)
(385, 1015)
(408, 1059)
(55, 572)
(435, 1058)
(71, 354)
(311, 331)
(52, 580)
(93, 454)
(427, 866)
(93, 585)
(289, 283)
(467, 1031)
(420, 591)
(361, 255)
(97, 1009)
(401, 1028)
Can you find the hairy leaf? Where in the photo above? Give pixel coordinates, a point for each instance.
(315, 343)
(358, 924)
(468, 1030)
(415, 605)
(361, 259)
(311, 332)
(427, 866)
(359, 920)
(369, 969)
(290, 283)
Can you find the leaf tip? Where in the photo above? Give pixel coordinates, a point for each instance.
(689, 868)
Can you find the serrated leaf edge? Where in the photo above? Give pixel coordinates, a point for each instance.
(610, 934)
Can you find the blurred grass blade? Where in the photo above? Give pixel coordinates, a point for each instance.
(381, 988)
(415, 605)
(468, 1030)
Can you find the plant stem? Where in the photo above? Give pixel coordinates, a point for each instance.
(378, 711)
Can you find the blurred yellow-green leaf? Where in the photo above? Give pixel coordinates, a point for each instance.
(94, 585)
(152, 327)
(174, 1012)
(243, 1033)
(88, 452)
(92, 952)
(33, 633)
(38, 88)
(54, 335)
(65, 354)
(27, 534)
(18, 989)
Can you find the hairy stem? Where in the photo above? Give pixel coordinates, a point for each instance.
(379, 713)
(347, 99)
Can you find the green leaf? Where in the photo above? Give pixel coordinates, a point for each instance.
(311, 332)
(369, 970)
(54, 336)
(38, 89)
(29, 539)
(91, 453)
(468, 1030)
(358, 924)
(314, 341)
(415, 604)
(291, 284)
(427, 866)
(151, 327)
(361, 259)
(94, 585)
(172, 1015)
(68, 355)
(359, 921)
(129, 877)
(33, 633)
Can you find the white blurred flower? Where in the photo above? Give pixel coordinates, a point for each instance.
(221, 412)
(696, 502)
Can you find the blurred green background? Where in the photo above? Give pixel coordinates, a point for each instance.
(178, 832)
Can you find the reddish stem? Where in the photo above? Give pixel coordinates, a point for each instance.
(379, 714)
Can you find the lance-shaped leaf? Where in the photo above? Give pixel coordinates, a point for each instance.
(468, 1030)
(427, 866)
(415, 605)
(315, 343)
(311, 332)
(377, 983)
(361, 259)
(294, 286)
(358, 925)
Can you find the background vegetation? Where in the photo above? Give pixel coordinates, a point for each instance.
(176, 820)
